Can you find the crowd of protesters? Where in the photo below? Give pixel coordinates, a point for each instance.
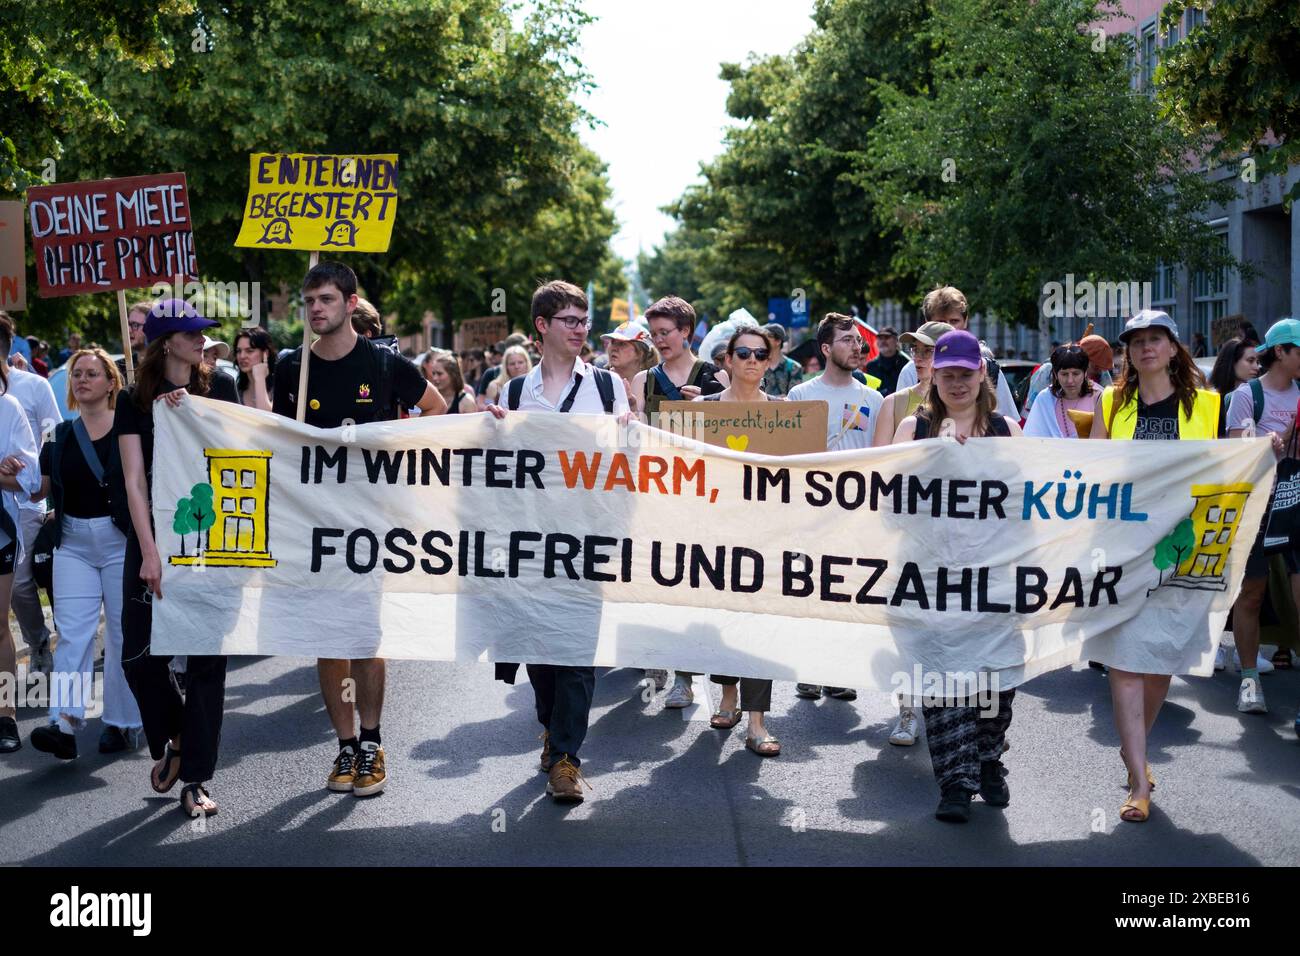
(81, 489)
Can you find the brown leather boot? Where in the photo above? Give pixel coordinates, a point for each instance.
(565, 782)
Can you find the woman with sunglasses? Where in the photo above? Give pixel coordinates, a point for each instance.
(966, 743)
(748, 354)
(1070, 390)
(1158, 398)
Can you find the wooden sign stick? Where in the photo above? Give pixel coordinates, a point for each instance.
(126, 337)
(306, 352)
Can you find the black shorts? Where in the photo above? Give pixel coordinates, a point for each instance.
(7, 556)
(1257, 563)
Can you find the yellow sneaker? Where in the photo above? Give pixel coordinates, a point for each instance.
(344, 775)
(370, 776)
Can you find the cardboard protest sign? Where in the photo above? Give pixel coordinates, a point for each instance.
(569, 539)
(320, 202)
(110, 234)
(13, 260)
(482, 333)
(760, 428)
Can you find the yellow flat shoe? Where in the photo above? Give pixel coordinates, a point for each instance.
(1135, 810)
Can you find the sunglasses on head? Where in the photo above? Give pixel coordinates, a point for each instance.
(744, 352)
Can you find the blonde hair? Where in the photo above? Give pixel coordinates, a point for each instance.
(110, 372)
(505, 375)
(941, 301)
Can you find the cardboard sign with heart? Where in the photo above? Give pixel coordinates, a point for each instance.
(760, 428)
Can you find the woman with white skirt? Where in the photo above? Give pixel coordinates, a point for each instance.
(80, 470)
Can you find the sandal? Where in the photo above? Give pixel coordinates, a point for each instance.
(757, 744)
(1135, 810)
(724, 719)
(200, 801)
(170, 764)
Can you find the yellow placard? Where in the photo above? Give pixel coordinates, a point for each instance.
(319, 202)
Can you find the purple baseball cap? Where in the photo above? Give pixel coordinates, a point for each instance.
(174, 315)
(957, 348)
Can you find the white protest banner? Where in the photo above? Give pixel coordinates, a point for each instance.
(567, 539)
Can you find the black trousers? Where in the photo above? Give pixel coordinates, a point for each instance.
(755, 694)
(563, 705)
(196, 717)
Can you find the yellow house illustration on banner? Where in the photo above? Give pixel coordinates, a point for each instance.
(1215, 520)
(240, 481)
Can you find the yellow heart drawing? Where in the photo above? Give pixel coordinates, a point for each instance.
(737, 442)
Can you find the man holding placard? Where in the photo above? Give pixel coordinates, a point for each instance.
(350, 380)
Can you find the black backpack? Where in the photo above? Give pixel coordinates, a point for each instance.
(604, 385)
(382, 357)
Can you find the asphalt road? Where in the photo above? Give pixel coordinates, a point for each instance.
(668, 790)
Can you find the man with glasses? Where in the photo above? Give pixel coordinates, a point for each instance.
(680, 376)
(852, 410)
(562, 382)
(135, 329)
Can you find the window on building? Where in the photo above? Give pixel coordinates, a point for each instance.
(1210, 295)
(1164, 290)
(1148, 54)
(227, 477)
(246, 478)
(1195, 17)
(1173, 35)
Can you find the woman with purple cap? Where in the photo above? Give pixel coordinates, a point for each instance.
(1157, 398)
(966, 742)
(183, 731)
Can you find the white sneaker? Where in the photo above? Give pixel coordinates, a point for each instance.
(1250, 698)
(660, 677)
(1221, 658)
(904, 732)
(681, 695)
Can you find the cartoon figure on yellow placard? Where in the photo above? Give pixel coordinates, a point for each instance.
(341, 232)
(277, 232)
(1197, 548)
(232, 509)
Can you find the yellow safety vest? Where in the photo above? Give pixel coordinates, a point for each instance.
(1203, 423)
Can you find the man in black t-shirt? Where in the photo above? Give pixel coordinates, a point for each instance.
(889, 363)
(350, 380)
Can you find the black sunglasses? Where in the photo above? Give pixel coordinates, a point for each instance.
(743, 352)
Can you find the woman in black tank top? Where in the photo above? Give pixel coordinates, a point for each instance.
(966, 742)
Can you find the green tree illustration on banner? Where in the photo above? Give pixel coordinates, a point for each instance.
(194, 514)
(1173, 548)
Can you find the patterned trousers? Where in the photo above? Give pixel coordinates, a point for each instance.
(959, 739)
